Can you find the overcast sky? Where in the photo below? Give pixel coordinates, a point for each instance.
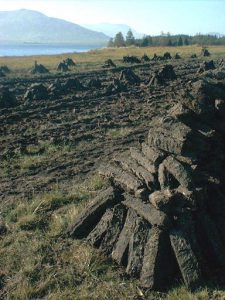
(146, 16)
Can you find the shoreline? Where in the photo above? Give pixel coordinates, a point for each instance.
(33, 49)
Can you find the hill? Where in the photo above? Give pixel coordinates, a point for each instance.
(112, 29)
(29, 26)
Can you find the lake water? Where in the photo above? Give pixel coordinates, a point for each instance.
(41, 49)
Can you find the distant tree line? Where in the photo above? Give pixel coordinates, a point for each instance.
(165, 39)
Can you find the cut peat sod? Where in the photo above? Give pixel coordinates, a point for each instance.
(161, 220)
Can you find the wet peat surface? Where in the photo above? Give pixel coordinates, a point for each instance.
(63, 137)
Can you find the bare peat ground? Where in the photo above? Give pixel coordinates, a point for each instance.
(49, 152)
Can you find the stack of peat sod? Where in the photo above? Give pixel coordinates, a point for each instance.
(109, 64)
(39, 69)
(163, 217)
(63, 67)
(131, 59)
(161, 76)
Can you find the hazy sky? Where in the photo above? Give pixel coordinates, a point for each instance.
(146, 16)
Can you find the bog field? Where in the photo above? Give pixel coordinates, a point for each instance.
(58, 128)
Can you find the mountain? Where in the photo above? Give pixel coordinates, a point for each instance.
(34, 27)
(112, 29)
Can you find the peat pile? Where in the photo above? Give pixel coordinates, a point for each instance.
(109, 64)
(129, 76)
(73, 84)
(161, 76)
(95, 83)
(131, 59)
(163, 217)
(145, 58)
(116, 86)
(69, 62)
(4, 69)
(39, 69)
(205, 52)
(63, 67)
(7, 98)
(55, 88)
(177, 56)
(37, 91)
(167, 56)
(206, 65)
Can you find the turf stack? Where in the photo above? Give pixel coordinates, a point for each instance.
(163, 217)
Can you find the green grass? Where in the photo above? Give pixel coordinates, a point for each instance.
(46, 268)
(35, 156)
(38, 261)
(181, 293)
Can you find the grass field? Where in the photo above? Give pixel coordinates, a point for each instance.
(95, 58)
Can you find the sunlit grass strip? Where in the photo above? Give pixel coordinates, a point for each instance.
(94, 58)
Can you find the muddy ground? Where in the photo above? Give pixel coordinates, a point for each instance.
(63, 139)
